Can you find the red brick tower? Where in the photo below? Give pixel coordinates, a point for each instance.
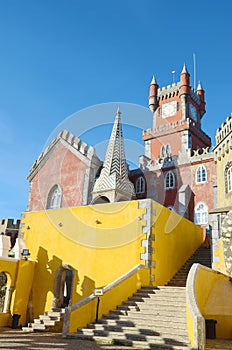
(177, 112)
(177, 169)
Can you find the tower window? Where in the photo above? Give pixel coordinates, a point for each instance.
(168, 150)
(169, 180)
(140, 185)
(228, 177)
(201, 214)
(162, 151)
(201, 174)
(54, 197)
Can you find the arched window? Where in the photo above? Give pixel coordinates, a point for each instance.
(54, 197)
(162, 151)
(168, 150)
(201, 214)
(228, 177)
(201, 174)
(169, 180)
(140, 185)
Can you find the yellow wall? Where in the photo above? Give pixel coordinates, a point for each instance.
(100, 242)
(175, 240)
(213, 294)
(109, 300)
(19, 277)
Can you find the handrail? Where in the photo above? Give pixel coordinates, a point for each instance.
(92, 296)
(198, 319)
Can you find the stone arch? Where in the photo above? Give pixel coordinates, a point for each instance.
(100, 200)
(5, 291)
(63, 286)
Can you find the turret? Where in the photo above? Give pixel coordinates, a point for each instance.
(201, 93)
(185, 81)
(185, 90)
(153, 101)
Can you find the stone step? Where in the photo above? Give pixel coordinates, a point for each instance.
(149, 308)
(141, 323)
(166, 343)
(153, 302)
(158, 310)
(46, 322)
(133, 335)
(153, 319)
(27, 329)
(142, 330)
(52, 318)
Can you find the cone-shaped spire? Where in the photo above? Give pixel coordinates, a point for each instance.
(114, 183)
(153, 81)
(199, 86)
(184, 70)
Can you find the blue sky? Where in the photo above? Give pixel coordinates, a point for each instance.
(61, 56)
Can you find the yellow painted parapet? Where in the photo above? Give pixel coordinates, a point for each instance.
(113, 294)
(209, 295)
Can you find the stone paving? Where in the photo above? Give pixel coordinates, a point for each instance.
(17, 340)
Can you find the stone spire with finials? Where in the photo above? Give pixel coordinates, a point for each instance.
(113, 184)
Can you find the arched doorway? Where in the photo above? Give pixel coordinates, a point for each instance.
(63, 286)
(5, 292)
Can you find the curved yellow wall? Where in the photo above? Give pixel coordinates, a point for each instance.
(213, 293)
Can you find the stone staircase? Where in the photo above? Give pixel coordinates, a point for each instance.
(51, 321)
(202, 256)
(153, 318)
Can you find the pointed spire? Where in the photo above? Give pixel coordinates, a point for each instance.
(113, 182)
(199, 86)
(153, 81)
(184, 70)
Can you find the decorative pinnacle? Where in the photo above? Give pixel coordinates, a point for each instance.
(184, 70)
(118, 113)
(153, 81)
(199, 86)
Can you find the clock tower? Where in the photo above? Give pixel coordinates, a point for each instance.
(177, 111)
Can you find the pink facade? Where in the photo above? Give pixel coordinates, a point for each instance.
(63, 177)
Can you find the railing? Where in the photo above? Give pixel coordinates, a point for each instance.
(79, 314)
(195, 320)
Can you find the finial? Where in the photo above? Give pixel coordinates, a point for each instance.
(199, 86)
(184, 70)
(153, 81)
(118, 113)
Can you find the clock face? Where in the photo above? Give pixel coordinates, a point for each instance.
(193, 111)
(169, 109)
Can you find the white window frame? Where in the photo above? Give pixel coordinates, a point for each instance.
(201, 214)
(201, 174)
(140, 185)
(169, 180)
